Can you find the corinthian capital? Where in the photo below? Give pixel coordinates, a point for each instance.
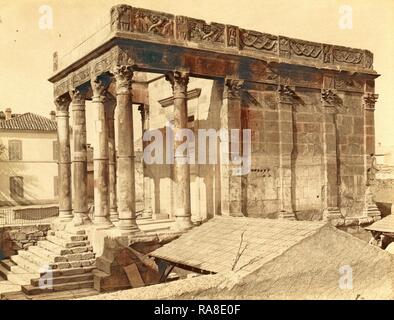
(232, 89)
(98, 88)
(179, 81)
(370, 100)
(123, 76)
(62, 103)
(77, 96)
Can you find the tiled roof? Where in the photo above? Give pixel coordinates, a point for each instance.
(386, 224)
(29, 121)
(214, 245)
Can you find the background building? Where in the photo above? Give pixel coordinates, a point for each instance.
(28, 160)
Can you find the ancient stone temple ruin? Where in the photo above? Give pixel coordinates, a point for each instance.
(309, 106)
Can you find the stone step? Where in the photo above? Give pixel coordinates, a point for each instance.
(41, 262)
(72, 271)
(62, 295)
(65, 279)
(20, 276)
(31, 290)
(47, 255)
(25, 264)
(54, 248)
(70, 237)
(7, 264)
(67, 244)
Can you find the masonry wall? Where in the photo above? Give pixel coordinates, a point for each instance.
(261, 186)
(15, 238)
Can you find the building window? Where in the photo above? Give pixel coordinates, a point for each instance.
(56, 186)
(16, 187)
(15, 150)
(55, 146)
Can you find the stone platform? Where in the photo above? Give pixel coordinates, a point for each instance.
(66, 260)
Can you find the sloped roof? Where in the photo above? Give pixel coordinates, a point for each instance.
(215, 245)
(29, 121)
(386, 224)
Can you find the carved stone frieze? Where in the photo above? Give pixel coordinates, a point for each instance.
(200, 31)
(258, 41)
(348, 56)
(152, 22)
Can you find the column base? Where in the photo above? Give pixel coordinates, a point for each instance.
(114, 216)
(127, 227)
(287, 215)
(64, 216)
(101, 223)
(182, 224)
(80, 218)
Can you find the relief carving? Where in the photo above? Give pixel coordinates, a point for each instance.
(349, 56)
(258, 41)
(286, 94)
(368, 59)
(202, 32)
(182, 30)
(341, 83)
(120, 18)
(305, 48)
(232, 36)
(145, 21)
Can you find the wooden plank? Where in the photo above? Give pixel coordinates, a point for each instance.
(134, 276)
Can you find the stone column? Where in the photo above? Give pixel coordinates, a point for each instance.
(110, 105)
(144, 110)
(183, 218)
(370, 208)
(80, 174)
(125, 176)
(64, 163)
(230, 176)
(330, 156)
(286, 97)
(100, 156)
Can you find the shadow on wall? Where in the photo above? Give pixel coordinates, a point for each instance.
(30, 182)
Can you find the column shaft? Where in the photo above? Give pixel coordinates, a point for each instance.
(183, 219)
(286, 145)
(113, 207)
(100, 156)
(230, 177)
(64, 166)
(125, 175)
(330, 157)
(79, 157)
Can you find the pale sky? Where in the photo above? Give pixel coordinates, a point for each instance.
(26, 51)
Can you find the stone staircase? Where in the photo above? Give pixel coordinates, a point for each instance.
(62, 262)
